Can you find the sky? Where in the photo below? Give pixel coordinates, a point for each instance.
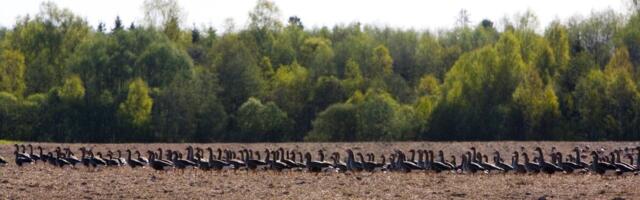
(416, 14)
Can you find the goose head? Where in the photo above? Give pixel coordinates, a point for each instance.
(361, 157)
(349, 153)
(525, 156)
(321, 154)
(307, 157)
(594, 155)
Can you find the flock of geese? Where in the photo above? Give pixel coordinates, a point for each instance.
(472, 161)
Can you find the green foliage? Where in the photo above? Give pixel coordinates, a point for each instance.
(429, 55)
(46, 41)
(291, 92)
(261, 122)
(12, 68)
(136, 109)
(380, 63)
(160, 63)
(72, 91)
(318, 56)
(189, 107)
(535, 108)
(336, 123)
(238, 72)
(62, 80)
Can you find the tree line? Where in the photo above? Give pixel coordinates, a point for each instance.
(66, 81)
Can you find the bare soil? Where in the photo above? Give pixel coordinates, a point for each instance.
(42, 181)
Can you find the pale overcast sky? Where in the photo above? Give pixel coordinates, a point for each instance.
(418, 14)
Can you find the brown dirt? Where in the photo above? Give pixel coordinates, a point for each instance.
(42, 181)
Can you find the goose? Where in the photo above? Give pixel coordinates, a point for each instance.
(621, 168)
(486, 165)
(546, 167)
(216, 164)
(468, 166)
(73, 160)
(60, 160)
(578, 158)
(596, 165)
(275, 164)
(52, 160)
(24, 151)
(111, 161)
(180, 163)
(190, 156)
(473, 166)
(497, 161)
(251, 163)
(97, 161)
(202, 163)
(314, 166)
(43, 157)
(3, 161)
(158, 165)
(337, 164)
(352, 164)
(120, 159)
(288, 162)
(299, 164)
(22, 159)
(529, 166)
(567, 166)
(455, 165)
(141, 158)
(235, 163)
(392, 165)
(631, 161)
(473, 158)
(21, 154)
(321, 154)
(85, 160)
(413, 156)
(423, 159)
(437, 166)
(404, 165)
(159, 156)
(366, 165)
(451, 165)
(517, 167)
(33, 156)
(132, 162)
(380, 165)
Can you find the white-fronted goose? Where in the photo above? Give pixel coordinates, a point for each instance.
(314, 166)
(352, 164)
(216, 163)
(21, 158)
(158, 165)
(530, 166)
(545, 166)
(133, 163)
(567, 166)
(436, 165)
(35, 157)
(497, 161)
(517, 167)
(141, 158)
